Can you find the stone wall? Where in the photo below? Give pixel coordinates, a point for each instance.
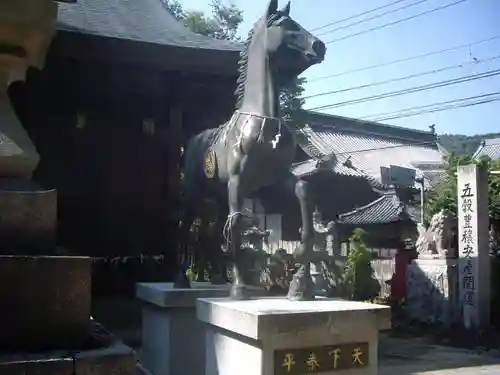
(432, 295)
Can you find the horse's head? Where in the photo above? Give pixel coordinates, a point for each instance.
(277, 45)
(291, 48)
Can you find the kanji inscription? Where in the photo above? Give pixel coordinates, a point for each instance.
(321, 359)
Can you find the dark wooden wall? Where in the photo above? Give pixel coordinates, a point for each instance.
(117, 185)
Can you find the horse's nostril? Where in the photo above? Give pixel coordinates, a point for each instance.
(319, 47)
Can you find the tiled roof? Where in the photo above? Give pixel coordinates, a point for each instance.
(386, 209)
(489, 147)
(359, 148)
(432, 172)
(138, 20)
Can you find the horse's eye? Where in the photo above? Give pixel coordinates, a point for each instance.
(288, 25)
(292, 26)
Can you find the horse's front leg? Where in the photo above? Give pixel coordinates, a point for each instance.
(302, 287)
(239, 288)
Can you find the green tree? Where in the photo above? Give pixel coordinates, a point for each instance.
(175, 9)
(460, 144)
(359, 276)
(291, 99)
(224, 23)
(444, 196)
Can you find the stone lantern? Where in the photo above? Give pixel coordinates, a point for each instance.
(26, 30)
(46, 298)
(49, 296)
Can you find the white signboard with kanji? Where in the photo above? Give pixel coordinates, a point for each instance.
(473, 264)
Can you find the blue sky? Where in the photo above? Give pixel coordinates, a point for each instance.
(467, 22)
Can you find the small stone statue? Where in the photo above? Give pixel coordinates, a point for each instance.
(438, 241)
(324, 237)
(253, 236)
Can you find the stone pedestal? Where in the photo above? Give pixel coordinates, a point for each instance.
(26, 30)
(46, 302)
(102, 354)
(173, 340)
(28, 220)
(274, 336)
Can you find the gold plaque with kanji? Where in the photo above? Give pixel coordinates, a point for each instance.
(210, 164)
(321, 359)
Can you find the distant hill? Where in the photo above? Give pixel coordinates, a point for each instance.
(464, 144)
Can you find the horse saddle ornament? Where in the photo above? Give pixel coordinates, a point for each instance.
(210, 163)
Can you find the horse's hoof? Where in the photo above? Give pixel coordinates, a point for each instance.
(239, 292)
(301, 289)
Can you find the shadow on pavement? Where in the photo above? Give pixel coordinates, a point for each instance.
(415, 356)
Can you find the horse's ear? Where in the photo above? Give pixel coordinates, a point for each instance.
(286, 9)
(273, 7)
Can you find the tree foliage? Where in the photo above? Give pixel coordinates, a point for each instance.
(291, 99)
(444, 196)
(224, 24)
(460, 144)
(359, 276)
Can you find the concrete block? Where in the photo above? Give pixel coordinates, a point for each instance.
(275, 336)
(173, 340)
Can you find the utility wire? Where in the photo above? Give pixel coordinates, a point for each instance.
(445, 106)
(357, 15)
(396, 22)
(371, 18)
(369, 118)
(411, 90)
(415, 57)
(398, 79)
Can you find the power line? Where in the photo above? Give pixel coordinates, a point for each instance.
(371, 18)
(397, 21)
(411, 90)
(440, 109)
(446, 105)
(378, 83)
(357, 15)
(445, 108)
(454, 101)
(415, 57)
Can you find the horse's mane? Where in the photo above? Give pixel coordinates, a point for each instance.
(243, 63)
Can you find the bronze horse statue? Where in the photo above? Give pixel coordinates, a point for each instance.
(256, 148)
